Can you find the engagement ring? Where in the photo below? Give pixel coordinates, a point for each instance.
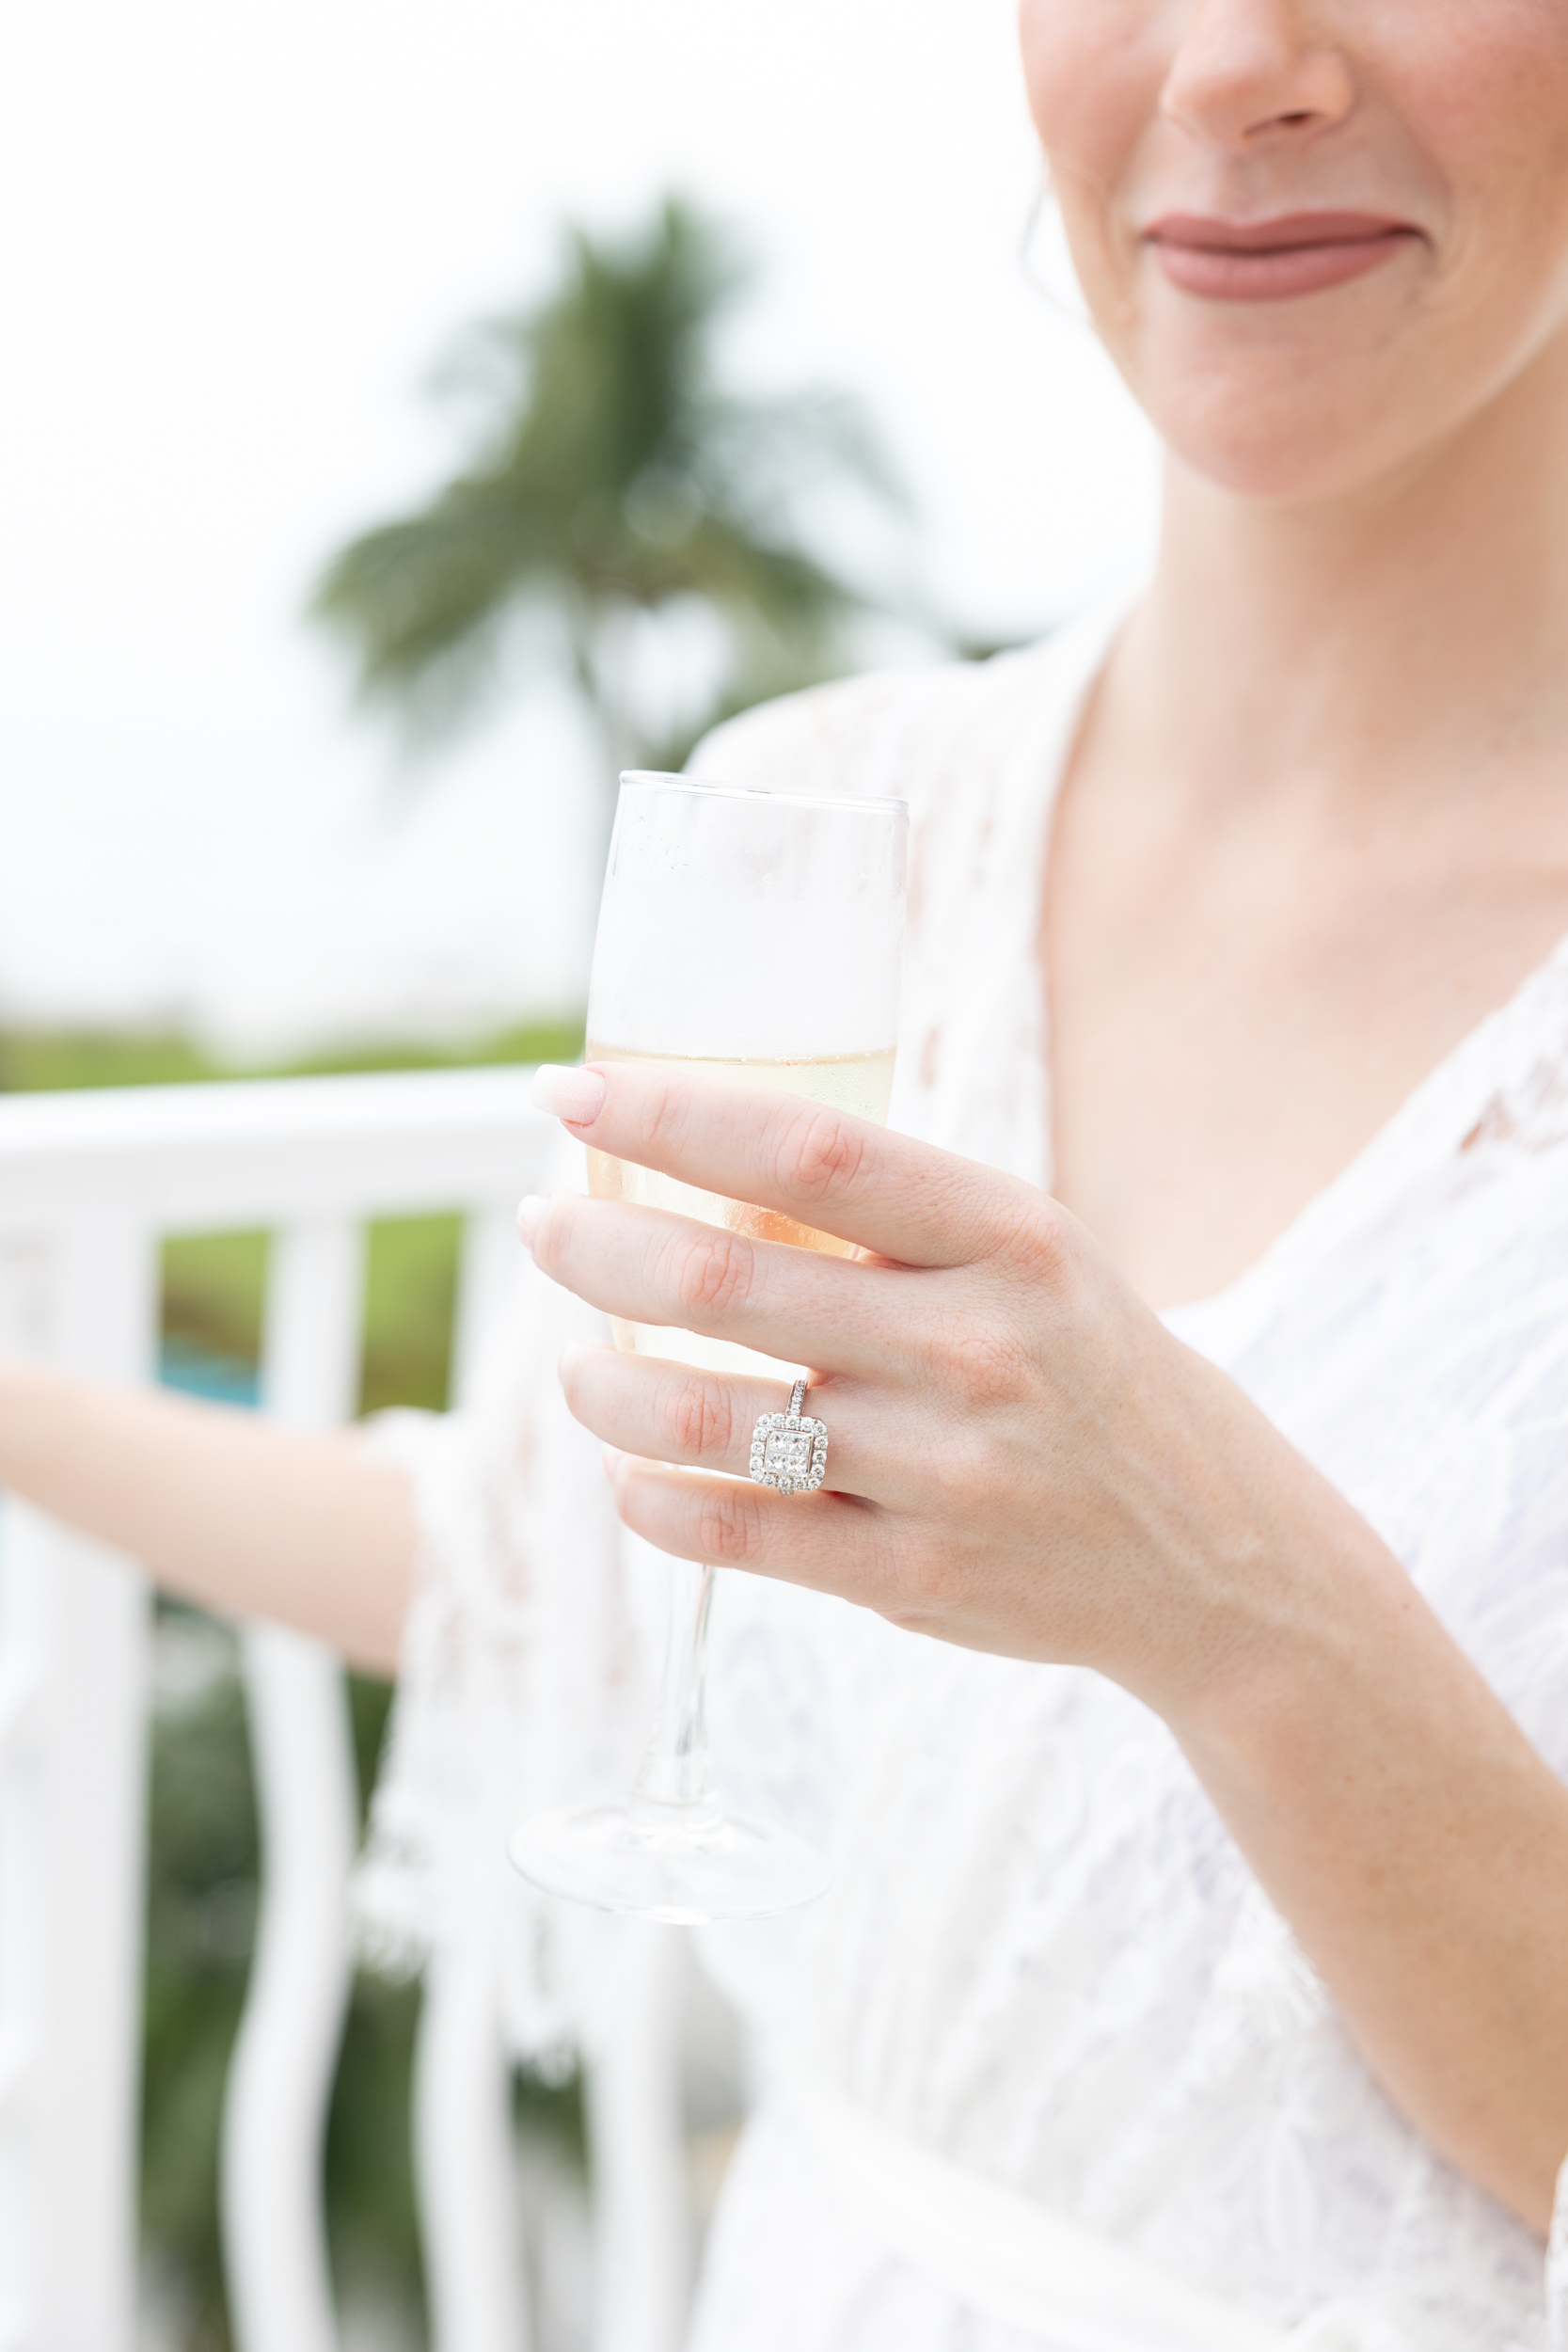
(788, 1451)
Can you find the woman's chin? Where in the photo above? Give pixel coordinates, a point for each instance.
(1273, 473)
(1261, 406)
(1301, 445)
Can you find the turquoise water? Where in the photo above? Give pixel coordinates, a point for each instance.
(222, 1379)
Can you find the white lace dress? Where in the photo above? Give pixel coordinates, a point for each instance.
(1042, 1955)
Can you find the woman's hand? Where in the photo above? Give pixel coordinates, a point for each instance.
(1022, 1458)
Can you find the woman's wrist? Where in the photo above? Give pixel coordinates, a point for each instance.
(1316, 1668)
(1278, 1592)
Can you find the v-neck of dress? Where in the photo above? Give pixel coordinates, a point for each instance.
(1427, 1126)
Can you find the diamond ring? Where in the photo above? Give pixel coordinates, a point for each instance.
(788, 1450)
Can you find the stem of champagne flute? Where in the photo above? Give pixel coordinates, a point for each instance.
(676, 1770)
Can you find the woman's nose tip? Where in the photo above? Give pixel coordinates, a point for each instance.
(1248, 72)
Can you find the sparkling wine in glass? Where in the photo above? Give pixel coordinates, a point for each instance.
(754, 936)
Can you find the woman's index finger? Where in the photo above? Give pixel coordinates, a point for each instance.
(818, 1166)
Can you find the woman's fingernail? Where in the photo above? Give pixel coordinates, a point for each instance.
(529, 1210)
(575, 1095)
(612, 1458)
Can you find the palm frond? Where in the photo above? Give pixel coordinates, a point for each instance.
(607, 468)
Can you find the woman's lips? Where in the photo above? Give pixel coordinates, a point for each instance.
(1271, 261)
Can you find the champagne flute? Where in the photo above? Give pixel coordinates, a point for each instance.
(754, 936)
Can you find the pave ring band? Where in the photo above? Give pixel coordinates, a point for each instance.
(788, 1450)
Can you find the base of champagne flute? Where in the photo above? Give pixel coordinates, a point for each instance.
(686, 1865)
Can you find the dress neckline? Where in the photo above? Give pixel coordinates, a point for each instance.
(1429, 1122)
(1428, 1127)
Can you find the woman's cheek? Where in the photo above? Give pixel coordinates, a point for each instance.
(1093, 81)
(1094, 76)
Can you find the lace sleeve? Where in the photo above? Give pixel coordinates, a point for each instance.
(522, 1681)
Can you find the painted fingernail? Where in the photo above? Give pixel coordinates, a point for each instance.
(530, 1211)
(575, 1095)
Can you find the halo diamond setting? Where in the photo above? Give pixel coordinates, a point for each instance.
(789, 1450)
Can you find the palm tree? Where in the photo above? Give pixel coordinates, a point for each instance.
(611, 477)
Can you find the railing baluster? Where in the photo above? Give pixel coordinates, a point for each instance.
(641, 2216)
(73, 1635)
(469, 2225)
(486, 1271)
(641, 2205)
(281, 2082)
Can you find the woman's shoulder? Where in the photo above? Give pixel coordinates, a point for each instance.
(852, 734)
(901, 732)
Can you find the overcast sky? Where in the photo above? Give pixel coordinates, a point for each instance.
(236, 241)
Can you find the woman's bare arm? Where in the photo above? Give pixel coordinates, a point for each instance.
(221, 1508)
(1419, 1846)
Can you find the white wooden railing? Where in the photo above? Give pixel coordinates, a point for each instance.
(90, 1183)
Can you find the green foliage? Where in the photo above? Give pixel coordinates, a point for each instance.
(527, 1042)
(214, 1285)
(410, 1289)
(49, 1060)
(46, 1061)
(610, 474)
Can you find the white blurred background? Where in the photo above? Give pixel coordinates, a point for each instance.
(238, 238)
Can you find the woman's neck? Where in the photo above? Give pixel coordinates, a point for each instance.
(1403, 640)
(1315, 828)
